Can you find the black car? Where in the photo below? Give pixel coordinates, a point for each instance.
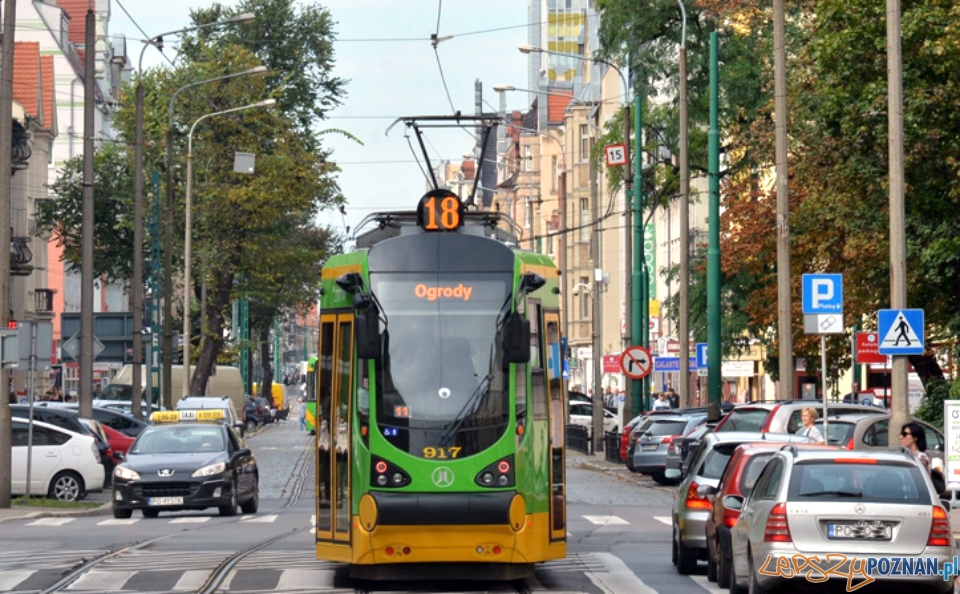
(112, 418)
(254, 414)
(186, 466)
(68, 419)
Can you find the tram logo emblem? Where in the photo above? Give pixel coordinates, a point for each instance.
(442, 477)
(443, 393)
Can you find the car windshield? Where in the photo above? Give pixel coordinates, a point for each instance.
(838, 433)
(868, 482)
(179, 439)
(752, 471)
(666, 427)
(745, 419)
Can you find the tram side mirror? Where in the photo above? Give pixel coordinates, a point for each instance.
(516, 339)
(367, 333)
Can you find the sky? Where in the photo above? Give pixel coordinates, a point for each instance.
(383, 50)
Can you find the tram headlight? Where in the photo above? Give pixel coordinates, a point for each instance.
(387, 474)
(503, 480)
(397, 478)
(487, 478)
(381, 480)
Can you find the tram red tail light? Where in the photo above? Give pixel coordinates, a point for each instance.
(406, 550)
(388, 551)
(387, 474)
(503, 466)
(381, 467)
(497, 550)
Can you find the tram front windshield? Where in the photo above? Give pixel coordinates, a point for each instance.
(441, 383)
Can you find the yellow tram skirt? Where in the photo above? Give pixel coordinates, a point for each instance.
(447, 543)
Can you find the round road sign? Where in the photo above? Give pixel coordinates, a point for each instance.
(636, 362)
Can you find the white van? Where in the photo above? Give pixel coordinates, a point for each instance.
(227, 381)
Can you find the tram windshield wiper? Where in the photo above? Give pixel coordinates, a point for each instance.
(458, 422)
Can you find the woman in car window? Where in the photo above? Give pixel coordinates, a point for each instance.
(808, 416)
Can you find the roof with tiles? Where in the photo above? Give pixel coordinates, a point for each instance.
(47, 92)
(26, 77)
(77, 11)
(557, 103)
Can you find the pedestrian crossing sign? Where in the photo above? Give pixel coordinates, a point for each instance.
(900, 331)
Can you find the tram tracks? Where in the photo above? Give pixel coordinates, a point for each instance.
(220, 573)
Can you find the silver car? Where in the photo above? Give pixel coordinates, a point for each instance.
(869, 432)
(650, 451)
(691, 507)
(864, 509)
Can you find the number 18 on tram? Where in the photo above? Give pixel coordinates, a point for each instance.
(440, 400)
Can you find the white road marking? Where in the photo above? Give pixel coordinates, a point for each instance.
(118, 522)
(664, 520)
(306, 579)
(260, 519)
(51, 521)
(190, 520)
(606, 520)
(103, 581)
(618, 578)
(706, 584)
(11, 577)
(193, 579)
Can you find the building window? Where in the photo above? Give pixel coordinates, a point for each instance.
(584, 143)
(584, 219)
(554, 174)
(584, 298)
(549, 240)
(528, 158)
(528, 213)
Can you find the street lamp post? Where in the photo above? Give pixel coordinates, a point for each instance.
(188, 232)
(168, 239)
(137, 282)
(684, 313)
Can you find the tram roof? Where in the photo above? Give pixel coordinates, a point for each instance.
(387, 225)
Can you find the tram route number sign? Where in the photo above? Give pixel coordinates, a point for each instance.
(440, 210)
(616, 155)
(636, 362)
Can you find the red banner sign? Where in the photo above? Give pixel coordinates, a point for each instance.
(867, 344)
(611, 363)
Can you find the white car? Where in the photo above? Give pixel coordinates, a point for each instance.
(581, 413)
(65, 465)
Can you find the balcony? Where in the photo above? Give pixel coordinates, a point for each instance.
(20, 256)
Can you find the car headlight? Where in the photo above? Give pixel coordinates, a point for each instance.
(211, 469)
(122, 472)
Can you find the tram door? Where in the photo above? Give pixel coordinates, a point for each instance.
(333, 427)
(556, 396)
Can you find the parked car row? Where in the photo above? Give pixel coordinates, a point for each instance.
(752, 491)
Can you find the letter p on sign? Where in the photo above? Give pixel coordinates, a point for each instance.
(822, 294)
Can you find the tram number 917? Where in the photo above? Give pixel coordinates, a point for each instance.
(442, 453)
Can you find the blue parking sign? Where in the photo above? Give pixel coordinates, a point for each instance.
(822, 293)
(701, 355)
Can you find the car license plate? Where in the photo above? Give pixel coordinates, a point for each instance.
(165, 501)
(859, 531)
(649, 447)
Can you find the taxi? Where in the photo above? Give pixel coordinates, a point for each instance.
(190, 460)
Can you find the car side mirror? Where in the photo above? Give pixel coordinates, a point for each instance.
(705, 490)
(733, 502)
(118, 456)
(516, 339)
(243, 452)
(945, 503)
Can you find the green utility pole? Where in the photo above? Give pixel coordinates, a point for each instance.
(713, 250)
(156, 285)
(277, 357)
(637, 391)
(245, 344)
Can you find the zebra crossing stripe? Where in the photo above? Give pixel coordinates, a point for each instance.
(664, 520)
(259, 519)
(191, 580)
(118, 522)
(102, 581)
(190, 520)
(606, 520)
(11, 577)
(617, 577)
(305, 579)
(51, 522)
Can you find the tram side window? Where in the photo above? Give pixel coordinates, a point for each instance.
(538, 389)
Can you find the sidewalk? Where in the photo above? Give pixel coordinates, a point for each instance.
(23, 512)
(598, 463)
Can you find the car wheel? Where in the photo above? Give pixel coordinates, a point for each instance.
(231, 508)
(735, 587)
(723, 565)
(686, 559)
(755, 587)
(251, 505)
(251, 426)
(122, 514)
(66, 486)
(150, 513)
(673, 548)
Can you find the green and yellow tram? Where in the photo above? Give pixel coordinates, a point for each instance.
(439, 400)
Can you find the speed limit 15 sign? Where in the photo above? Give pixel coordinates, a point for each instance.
(616, 155)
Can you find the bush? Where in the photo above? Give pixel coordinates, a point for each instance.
(931, 409)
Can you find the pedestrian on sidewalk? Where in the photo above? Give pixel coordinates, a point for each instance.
(661, 403)
(303, 413)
